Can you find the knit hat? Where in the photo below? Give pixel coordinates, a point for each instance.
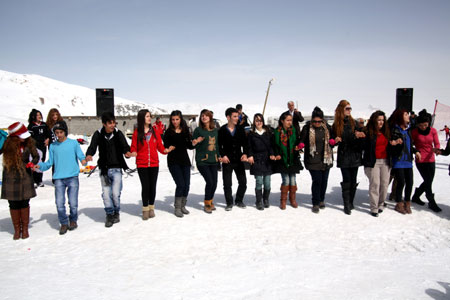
(19, 130)
(423, 117)
(317, 113)
(60, 125)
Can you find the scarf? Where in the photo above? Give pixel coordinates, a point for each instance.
(327, 152)
(286, 142)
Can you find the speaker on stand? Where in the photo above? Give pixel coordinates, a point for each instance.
(404, 99)
(105, 101)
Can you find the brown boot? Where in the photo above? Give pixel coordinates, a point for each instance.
(25, 218)
(208, 208)
(283, 197)
(408, 207)
(145, 213)
(212, 205)
(151, 211)
(400, 207)
(15, 218)
(292, 195)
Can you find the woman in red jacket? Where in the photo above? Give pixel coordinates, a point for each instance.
(145, 145)
(425, 139)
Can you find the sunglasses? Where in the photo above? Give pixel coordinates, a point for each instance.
(315, 121)
(348, 108)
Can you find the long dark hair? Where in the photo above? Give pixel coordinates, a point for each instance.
(141, 124)
(261, 117)
(12, 157)
(33, 115)
(282, 118)
(372, 125)
(183, 126)
(397, 118)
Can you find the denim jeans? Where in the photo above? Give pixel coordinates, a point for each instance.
(111, 189)
(72, 185)
(262, 180)
(209, 173)
(182, 177)
(288, 179)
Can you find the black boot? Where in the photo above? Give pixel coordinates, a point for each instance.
(432, 203)
(259, 196)
(109, 220)
(352, 195)
(116, 218)
(416, 197)
(266, 195)
(346, 197)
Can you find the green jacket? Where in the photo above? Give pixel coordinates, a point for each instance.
(206, 152)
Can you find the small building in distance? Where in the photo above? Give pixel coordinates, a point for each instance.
(87, 125)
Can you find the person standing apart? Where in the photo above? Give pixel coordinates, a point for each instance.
(260, 157)
(17, 185)
(296, 115)
(287, 152)
(145, 145)
(402, 157)
(233, 148)
(42, 135)
(112, 146)
(426, 139)
(64, 154)
(316, 138)
(349, 139)
(207, 157)
(447, 132)
(376, 160)
(178, 136)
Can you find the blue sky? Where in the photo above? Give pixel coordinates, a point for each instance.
(226, 51)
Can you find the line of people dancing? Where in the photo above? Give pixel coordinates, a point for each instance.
(385, 147)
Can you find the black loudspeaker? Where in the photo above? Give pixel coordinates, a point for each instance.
(105, 101)
(404, 99)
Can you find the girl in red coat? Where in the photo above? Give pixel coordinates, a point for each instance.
(425, 139)
(145, 145)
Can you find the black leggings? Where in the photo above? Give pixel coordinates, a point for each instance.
(19, 204)
(426, 170)
(349, 175)
(37, 176)
(404, 177)
(148, 177)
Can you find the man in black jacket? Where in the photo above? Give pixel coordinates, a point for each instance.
(112, 146)
(296, 116)
(233, 150)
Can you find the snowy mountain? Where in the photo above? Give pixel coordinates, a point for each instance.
(19, 93)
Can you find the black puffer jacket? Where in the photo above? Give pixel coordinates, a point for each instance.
(350, 148)
(260, 147)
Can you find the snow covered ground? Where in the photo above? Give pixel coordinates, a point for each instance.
(242, 254)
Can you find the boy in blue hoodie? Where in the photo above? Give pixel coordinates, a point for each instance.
(64, 155)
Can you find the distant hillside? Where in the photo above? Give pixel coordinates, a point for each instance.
(19, 93)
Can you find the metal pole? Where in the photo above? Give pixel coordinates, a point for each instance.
(267, 96)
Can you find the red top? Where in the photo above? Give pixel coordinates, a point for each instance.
(425, 144)
(380, 147)
(147, 155)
